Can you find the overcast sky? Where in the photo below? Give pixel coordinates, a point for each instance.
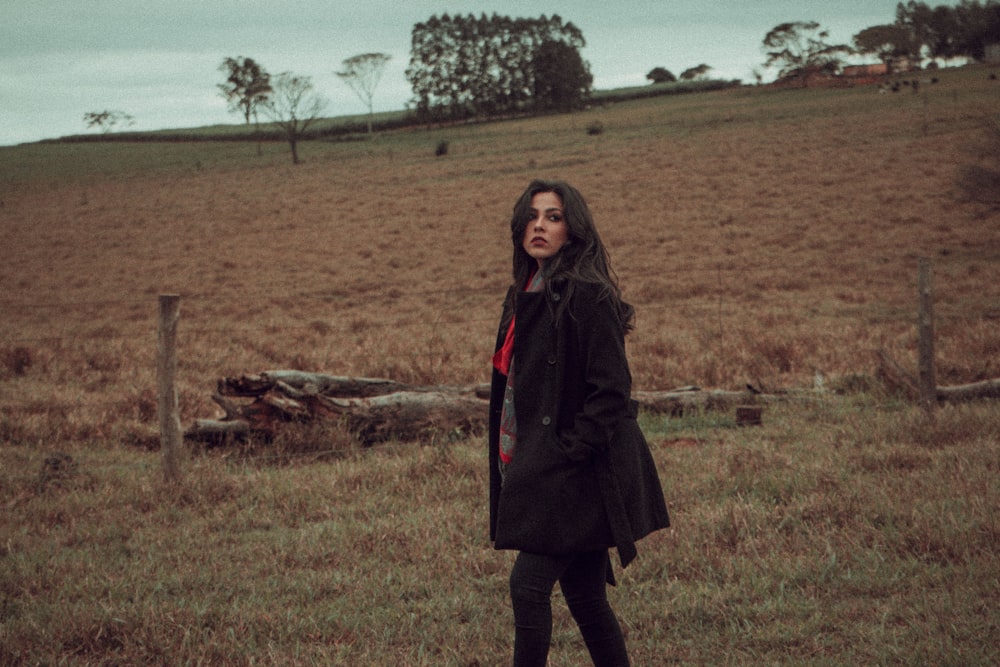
(159, 60)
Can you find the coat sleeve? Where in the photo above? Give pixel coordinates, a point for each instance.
(604, 375)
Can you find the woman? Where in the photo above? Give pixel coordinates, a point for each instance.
(570, 473)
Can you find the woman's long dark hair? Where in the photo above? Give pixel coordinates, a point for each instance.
(582, 259)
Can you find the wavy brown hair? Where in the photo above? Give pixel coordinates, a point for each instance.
(582, 259)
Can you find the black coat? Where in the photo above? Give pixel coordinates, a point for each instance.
(582, 476)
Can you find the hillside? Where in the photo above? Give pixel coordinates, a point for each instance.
(765, 237)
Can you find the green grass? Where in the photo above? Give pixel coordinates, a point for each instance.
(837, 533)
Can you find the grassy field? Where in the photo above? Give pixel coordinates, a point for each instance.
(765, 237)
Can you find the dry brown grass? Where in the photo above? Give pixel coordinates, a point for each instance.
(763, 236)
(837, 533)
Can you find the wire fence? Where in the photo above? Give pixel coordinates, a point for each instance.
(714, 298)
(76, 329)
(75, 320)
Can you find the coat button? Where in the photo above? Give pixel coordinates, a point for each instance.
(551, 360)
(556, 296)
(546, 421)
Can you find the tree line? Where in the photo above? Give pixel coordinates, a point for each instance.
(460, 66)
(941, 32)
(490, 66)
(463, 66)
(796, 49)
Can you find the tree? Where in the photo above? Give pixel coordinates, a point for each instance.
(562, 79)
(107, 120)
(466, 65)
(977, 26)
(888, 43)
(916, 18)
(695, 73)
(934, 30)
(661, 75)
(294, 106)
(798, 49)
(247, 86)
(950, 32)
(362, 73)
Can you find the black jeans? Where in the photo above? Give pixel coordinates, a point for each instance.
(583, 580)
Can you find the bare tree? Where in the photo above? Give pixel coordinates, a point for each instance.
(107, 119)
(294, 106)
(362, 73)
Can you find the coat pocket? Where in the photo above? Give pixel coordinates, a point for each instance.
(553, 508)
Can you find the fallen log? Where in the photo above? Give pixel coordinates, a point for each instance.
(377, 409)
(969, 392)
(309, 383)
(897, 378)
(408, 415)
(373, 409)
(684, 400)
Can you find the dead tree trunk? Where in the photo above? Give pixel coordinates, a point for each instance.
(376, 409)
(684, 400)
(969, 392)
(897, 378)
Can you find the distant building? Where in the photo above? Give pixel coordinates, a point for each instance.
(853, 71)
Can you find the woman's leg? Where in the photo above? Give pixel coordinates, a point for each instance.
(583, 580)
(531, 582)
(584, 585)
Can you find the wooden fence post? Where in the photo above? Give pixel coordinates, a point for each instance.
(928, 373)
(171, 437)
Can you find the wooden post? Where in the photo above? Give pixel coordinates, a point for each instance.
(928, 374)
(171, 436)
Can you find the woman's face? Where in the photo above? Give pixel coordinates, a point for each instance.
(546, 232)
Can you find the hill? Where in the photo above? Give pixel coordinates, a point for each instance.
(764, 237)
(355, 127)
